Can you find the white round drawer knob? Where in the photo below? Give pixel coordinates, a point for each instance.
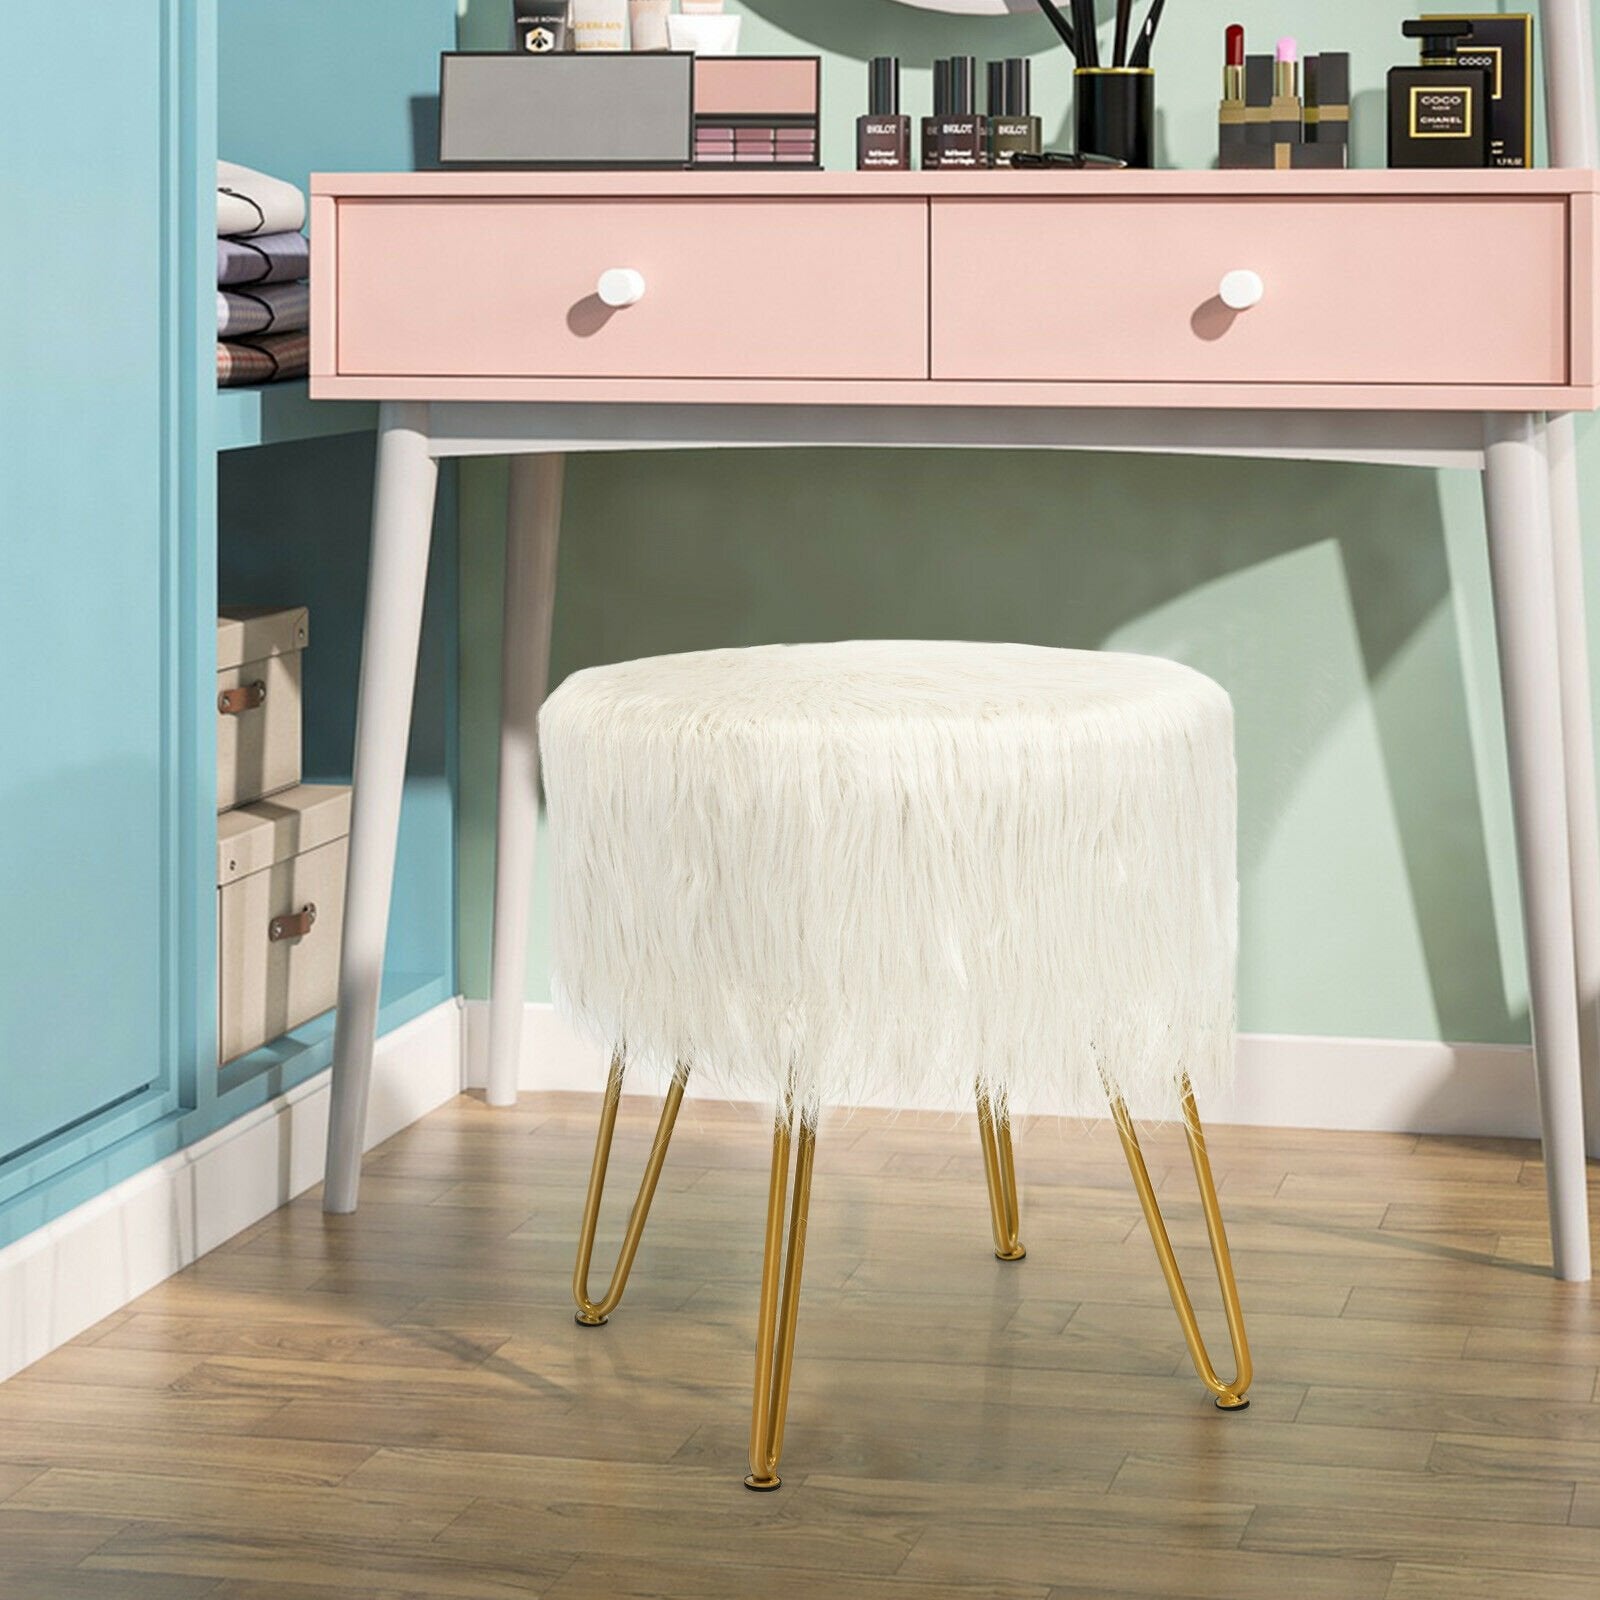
(620, 286)
(1241, 289)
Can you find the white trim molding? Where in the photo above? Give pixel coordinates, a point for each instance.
(1284, 1080)
(85, 1265)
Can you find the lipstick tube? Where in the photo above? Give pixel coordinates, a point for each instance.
(1287, 115)
(1233, 120)
(1233, 71)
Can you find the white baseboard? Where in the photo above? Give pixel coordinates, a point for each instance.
(1285, 1080)
(83, 1266)
(1384, 1085)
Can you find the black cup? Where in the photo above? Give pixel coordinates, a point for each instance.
(1116, 113)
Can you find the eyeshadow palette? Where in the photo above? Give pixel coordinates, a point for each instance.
(760, 111)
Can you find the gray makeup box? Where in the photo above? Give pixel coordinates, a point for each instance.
(591, 109)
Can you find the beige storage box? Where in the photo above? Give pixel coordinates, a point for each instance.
(258, 702)
(280, 910)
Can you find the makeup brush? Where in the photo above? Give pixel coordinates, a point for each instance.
(1147, 35)
(1060, 24)
(1124, 20)
(1083, 24)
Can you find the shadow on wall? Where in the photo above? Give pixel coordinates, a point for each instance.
(1318, 594)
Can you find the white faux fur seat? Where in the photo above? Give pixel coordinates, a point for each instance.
(822, 874)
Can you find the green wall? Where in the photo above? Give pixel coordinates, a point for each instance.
(1344, 608)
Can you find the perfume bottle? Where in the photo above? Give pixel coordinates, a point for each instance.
(1439, 111)
(954, 135)
(1012, 126)
(883, 136)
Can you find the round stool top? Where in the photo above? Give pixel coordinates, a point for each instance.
(828, 687)
(884, 870)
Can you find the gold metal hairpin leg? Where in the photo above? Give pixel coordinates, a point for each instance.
(1229, 1396)
(776, 1323)
(1000, 1169)
(592, 1313)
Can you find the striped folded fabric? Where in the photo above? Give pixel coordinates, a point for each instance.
(267, 258)
(264, 359)
(269, 308)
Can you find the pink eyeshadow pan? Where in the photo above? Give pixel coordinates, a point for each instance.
(756, 111)
(752, 86)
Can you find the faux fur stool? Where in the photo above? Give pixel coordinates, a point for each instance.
(827, 874)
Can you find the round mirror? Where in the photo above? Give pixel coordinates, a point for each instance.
(974, 8)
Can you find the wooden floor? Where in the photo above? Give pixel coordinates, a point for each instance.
(398, 1404)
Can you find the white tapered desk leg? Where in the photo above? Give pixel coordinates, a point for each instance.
(402, 527)
(1574, 138)
(1577, 727)
(1517, 506)
(533, 528)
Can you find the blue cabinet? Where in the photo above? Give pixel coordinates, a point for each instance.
(92, 355)
(111, 543)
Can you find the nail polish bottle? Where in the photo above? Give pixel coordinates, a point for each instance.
(941, 107)
(1012, 127)
(1439, 110)
(883, 136)
(954, 135)
(996, 103)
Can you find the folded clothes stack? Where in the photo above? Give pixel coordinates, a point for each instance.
(263, 300)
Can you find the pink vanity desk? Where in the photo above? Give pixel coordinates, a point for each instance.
(844, 309)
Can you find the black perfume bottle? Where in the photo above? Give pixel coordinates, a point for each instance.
(883, 136)
(1439, 110)
(1012, 126)
(954, 135)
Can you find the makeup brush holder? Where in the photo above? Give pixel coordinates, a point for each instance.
(1116, 113)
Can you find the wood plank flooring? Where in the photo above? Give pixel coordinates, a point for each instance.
(398, 1405)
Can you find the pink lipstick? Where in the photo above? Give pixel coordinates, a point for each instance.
(1286, 74)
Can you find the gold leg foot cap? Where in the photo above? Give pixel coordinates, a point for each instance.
(584, 1321)
(1010, 1255)
(1231, 1402)
(761, 1485)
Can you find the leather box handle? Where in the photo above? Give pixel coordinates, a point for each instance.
(293, 925)
(247, 697)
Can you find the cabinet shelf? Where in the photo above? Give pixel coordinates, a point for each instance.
(279, 413)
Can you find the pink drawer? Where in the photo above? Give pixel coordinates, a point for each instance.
(758, 288)
(1361, 291)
